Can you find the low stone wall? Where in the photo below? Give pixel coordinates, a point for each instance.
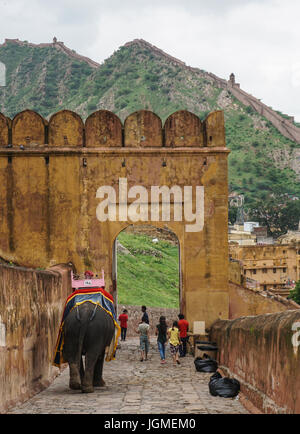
(262, 352)
(135, 316)
(245, 301)
(31, 307)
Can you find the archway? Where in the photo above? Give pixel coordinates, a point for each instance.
(79, 192)
(146, 267)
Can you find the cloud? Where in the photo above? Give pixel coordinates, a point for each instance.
(256, 39)
(38, 21)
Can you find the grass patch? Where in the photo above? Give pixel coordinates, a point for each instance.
(150, 274)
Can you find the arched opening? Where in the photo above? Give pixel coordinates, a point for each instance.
(146, 267)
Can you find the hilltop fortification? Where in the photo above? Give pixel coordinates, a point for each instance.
(59, 45)
(284, 124)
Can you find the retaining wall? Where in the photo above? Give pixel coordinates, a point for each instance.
(135, 315)
(262, 352)
(246, 301)
(31, 307)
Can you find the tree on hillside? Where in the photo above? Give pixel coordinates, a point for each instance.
(295, 293)
(232, 213)
(279, 213)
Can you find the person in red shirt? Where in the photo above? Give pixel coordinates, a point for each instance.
(183, 326)
(123, 318)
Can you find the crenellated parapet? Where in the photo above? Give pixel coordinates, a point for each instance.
(69, 187)
(103, 129)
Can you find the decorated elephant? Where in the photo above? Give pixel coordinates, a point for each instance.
(87, 329)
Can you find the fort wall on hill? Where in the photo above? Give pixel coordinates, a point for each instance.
(284, 125)
(58, 45)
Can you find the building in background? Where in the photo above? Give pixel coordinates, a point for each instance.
(274, 267)
(248, 234)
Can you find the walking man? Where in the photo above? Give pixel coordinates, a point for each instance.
(123, 318)
(183, 326)
(143, 331)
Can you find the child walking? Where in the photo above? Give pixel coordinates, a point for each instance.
(174, 341)
(143, 331)
(161, 333)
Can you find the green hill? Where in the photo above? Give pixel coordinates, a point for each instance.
(48, 78)
(149, 274)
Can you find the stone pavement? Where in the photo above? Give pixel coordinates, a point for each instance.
(136, 387)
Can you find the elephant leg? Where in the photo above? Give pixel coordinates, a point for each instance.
(81, 371)
(87, 382)
(75, 380)
(98, 380)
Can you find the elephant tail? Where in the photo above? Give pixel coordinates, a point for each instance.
(83, 318)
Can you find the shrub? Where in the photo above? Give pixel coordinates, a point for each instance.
(153, 87)
(151, 77)
(295, 293)
(122, 92)
(250, 110)
(92, 106)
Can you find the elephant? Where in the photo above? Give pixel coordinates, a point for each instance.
(88, 330)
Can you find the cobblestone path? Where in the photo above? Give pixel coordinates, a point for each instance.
(136, 387)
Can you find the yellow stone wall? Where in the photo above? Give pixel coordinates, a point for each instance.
(48, 193)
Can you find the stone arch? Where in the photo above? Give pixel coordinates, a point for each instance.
(4, 130)
(215, 129)
(65, 197)
(143, 129)
(116, 230)
(65, 129)
(28, 129)
(103, 128)
(183, 128)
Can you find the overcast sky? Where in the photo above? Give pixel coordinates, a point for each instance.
(258, 40)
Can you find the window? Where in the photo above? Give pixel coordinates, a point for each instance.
(274, 270)
(254, 271)
(264, 270)
(284, 270)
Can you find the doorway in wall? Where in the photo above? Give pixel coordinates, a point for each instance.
(146, 267)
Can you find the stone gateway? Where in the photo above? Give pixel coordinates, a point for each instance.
(50, 173)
